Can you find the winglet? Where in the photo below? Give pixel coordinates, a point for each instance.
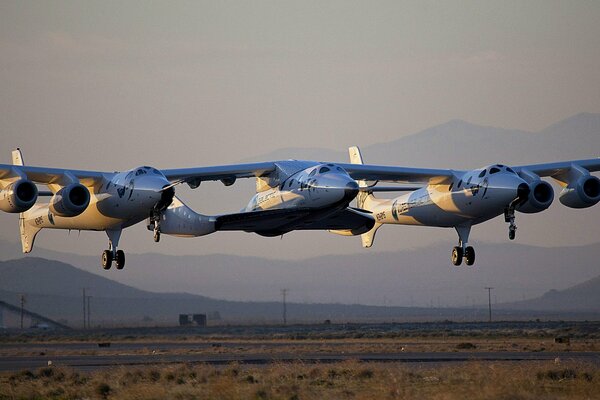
(28, 233)
(355, 156)
(17, 157)
(369, 237)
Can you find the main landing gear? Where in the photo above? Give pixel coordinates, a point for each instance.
(112, 254)
(462, 250)
(509, 217)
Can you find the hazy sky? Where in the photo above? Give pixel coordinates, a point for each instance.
(110, 84)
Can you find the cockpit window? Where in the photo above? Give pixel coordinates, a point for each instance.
(323, 170)
(313, 172)
(140, 172)
(482, 174)
(331, 165)
(494, 170)
(155, 171)
(339, 169)
(509, 169)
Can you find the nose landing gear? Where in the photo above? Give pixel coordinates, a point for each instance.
(462, 250)
(112, 254)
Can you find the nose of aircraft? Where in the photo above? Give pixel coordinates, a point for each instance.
(159, 189)
(508, 187)
(351, 191)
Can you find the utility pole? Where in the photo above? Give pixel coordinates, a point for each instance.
(84, 303)
(284, 293)
(22, 308)
(88, 312)
(489, 289)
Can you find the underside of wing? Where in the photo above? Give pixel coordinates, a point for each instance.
(558, 169)
(399, 174)
(259, 221)
(347, 219)
(226, 173)
(53, 176)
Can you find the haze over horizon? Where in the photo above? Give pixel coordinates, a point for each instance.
(111, 85)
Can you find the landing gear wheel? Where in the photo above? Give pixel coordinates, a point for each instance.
(457, 255)
(469, 256)
(120, 259)
(107, 259)
(512, 232)
(156, 236)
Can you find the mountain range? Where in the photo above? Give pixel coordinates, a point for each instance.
(54, 289)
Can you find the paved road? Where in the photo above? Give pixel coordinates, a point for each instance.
(93, 362)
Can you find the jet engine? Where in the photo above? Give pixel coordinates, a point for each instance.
(70, 201)
(19, 196)
(540, 197)
(583, 193)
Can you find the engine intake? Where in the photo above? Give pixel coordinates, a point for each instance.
(540, 197)
(583, 193)
(19, 196)
(70, 201)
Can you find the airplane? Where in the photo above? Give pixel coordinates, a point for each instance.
(291, 195)
(461, 199)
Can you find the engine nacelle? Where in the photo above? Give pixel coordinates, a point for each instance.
(583, 193)
(70, 201)
(540, 197)
(19, 196)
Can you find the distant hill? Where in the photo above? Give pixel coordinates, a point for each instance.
(53, 289)
(582, 297)
(416, 277)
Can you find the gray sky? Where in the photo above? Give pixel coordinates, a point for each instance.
(110, 85)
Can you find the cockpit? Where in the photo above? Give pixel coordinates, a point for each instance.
(146, 170)
(494, 169)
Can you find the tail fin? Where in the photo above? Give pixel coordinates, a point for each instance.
(17, 157)
(28, 231)
(363, 198)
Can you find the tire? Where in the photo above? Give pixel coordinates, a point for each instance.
(457, 255)
(107, 259)
(157, 237)
(120, 259)
(511, 234)
(470, 256)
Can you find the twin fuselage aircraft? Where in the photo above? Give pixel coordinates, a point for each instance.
(290, 195)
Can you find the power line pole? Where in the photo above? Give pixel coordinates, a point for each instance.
(284, 293)
(489, 289)
(22, 308)
(88, 312)
(84, 315)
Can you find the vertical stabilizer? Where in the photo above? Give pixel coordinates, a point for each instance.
(369, 237)
(28, 230)
(364, 197)
(17, 157)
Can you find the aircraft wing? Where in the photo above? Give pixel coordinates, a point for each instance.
(399, 174)
(220, 172)
(273, 220)
(51, 176)
(560, 168)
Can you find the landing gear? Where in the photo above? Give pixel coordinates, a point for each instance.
(154, 225)
(112, 254)
(462, 250)
(509, 217)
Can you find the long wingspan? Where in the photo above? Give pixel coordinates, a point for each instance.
(559, 168)
(399, 174)
(51, 176)
(221, 172)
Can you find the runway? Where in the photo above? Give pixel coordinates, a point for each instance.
(95, 361)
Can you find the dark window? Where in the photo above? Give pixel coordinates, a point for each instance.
(155, 171)
(450, 187)
(482, 174)
(500, 166)
(323, 170)
(459, 184)
(313, 172)
(509, 169)
(331, 165)
(494, 170)
(339, 169)
(469, 181)
(290, 184)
